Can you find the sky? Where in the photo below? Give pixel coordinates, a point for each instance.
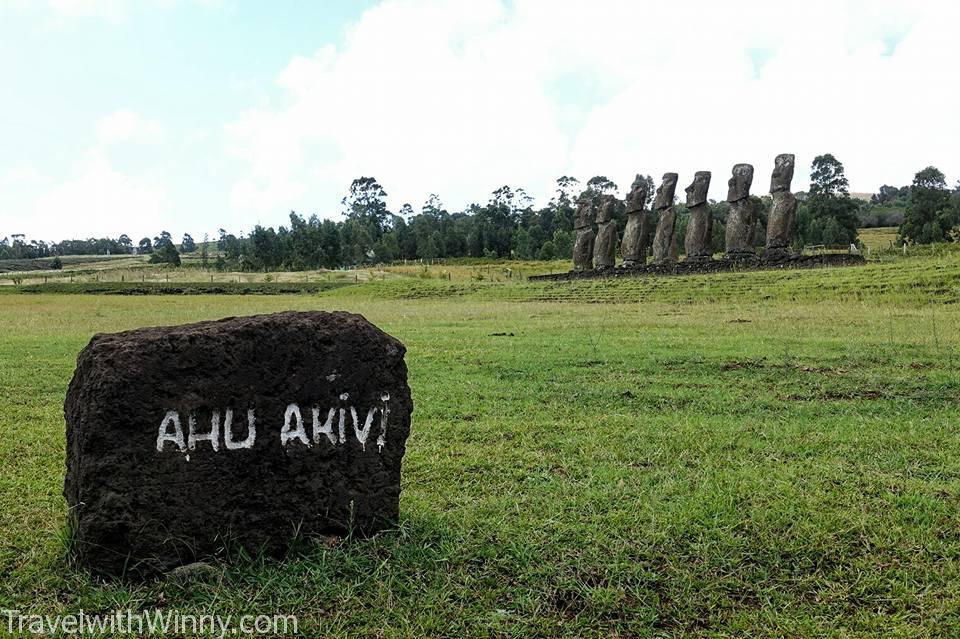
(122, 116)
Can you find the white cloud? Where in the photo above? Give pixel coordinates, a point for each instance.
(98, 201)
(459, 98)
(127, 126)
(95, 199)
(22, 176)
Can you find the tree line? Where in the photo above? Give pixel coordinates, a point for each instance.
(509, 226)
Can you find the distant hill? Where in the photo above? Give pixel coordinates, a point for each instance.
(861, 196)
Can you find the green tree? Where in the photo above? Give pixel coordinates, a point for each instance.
(597, 187)
(827, 177)
(828, 215)
(166, 254)
(365, 209)
(567, 189)
(563, 244)
(160, 240)
(522, 244)
(188, 245)
(366, 204)
(929, 217)
(204, 251)
(547, 251)
(387, 248)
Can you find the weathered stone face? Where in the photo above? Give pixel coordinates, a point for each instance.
(183, 439)
(584, 217)
(605, 214)
(782, 173)
(739, 184)
(637, 198)
(665, 192)
(697, 191)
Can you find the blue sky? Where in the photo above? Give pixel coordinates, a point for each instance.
(192, 67)
(186, 116)
(195, 65)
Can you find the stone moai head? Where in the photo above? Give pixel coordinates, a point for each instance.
(739, 184)
(637, 198)
(584, 216)
(782, 173)
(697, 192)
(605, 214)
(668, 187)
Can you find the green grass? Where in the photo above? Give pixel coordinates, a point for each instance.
(182, 288)
(771, 454)
(881, 237)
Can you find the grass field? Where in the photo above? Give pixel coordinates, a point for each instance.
(881, 237)
(770, 454)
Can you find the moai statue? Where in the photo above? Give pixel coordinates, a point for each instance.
(583, 244)
(668, 218)
(741, 219)
(605, 246)
(784, 208)
(700, 225)
(635, 235)
(650, 229)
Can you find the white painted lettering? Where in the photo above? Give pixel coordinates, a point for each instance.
(294, 427)
(289, 433)
(363, 434)
(213, 436)
(323, 429)
(382, 439)
(228, 432)
(176, 437)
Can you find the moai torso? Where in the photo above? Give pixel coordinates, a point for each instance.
(663, 238)
(635, 234)
(605, 245)
(741, 219)
(583, 243)
(783, 210)
(698, 240)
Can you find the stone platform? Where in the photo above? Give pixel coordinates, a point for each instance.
(712, 266)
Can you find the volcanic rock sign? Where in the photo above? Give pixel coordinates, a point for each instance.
(182, 440)
(583, 244)
(605, 246)
(783, 210)
(698, 241)
(740, 219)
(663, 203)
(634, 244)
